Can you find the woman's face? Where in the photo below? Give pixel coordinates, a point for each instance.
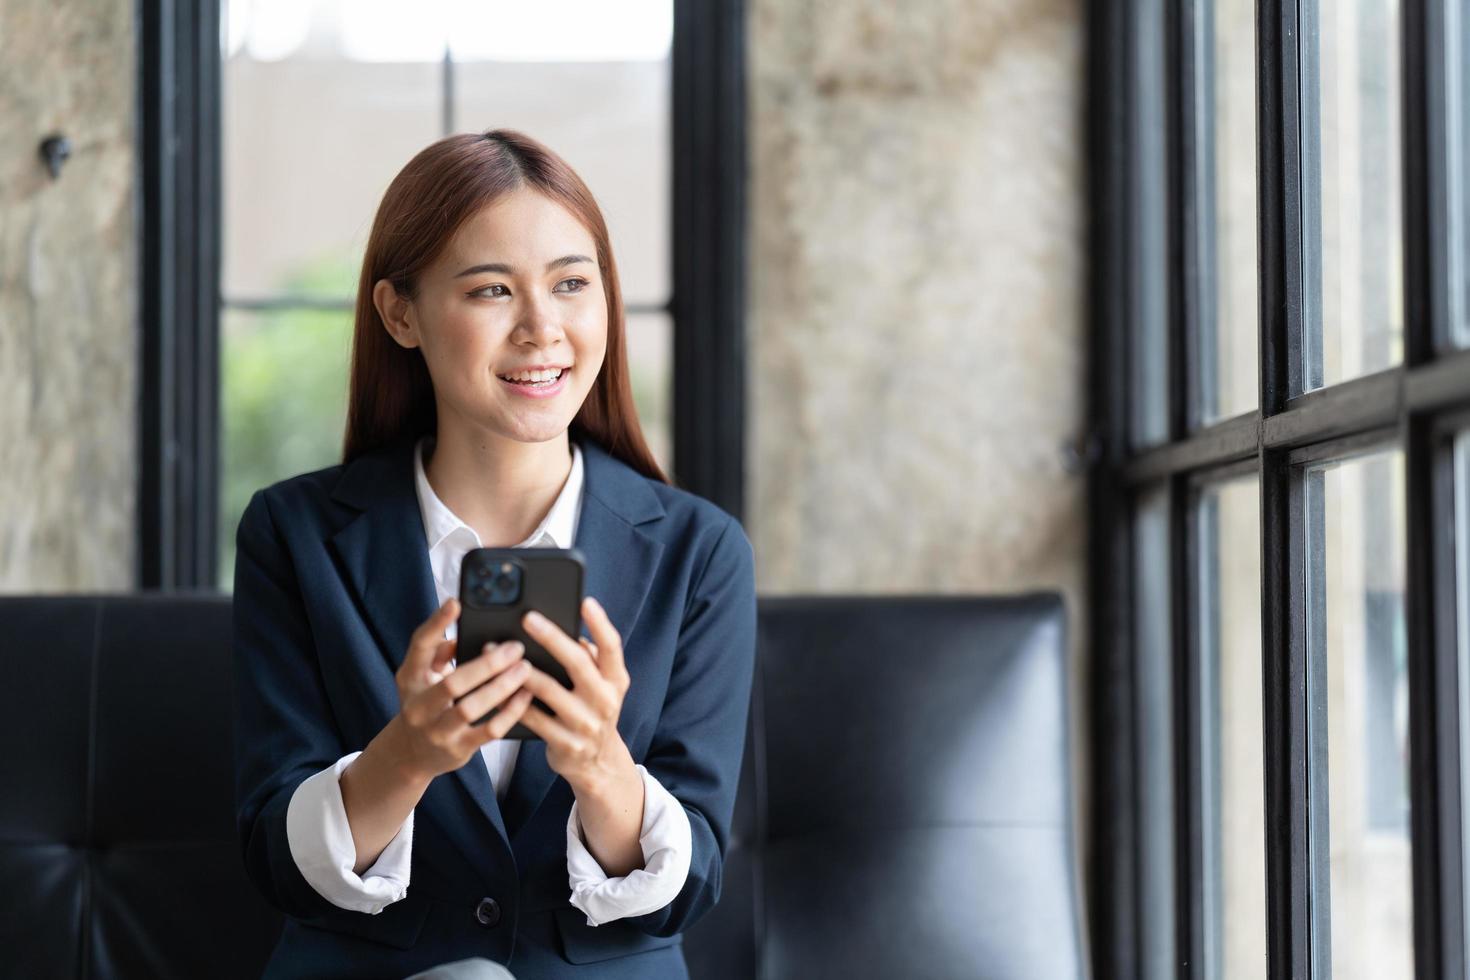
(517, 288)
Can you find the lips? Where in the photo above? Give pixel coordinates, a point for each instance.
(537, 389)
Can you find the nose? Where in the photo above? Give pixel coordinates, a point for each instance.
(538, 324)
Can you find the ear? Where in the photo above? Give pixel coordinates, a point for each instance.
(397, 313)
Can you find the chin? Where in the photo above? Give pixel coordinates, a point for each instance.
(541, 430)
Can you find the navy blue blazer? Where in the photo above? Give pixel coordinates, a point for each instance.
(332, 575)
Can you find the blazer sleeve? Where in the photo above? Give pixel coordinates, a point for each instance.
(284, 727)
(699, 743)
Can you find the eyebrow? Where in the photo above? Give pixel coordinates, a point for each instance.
(504, 269)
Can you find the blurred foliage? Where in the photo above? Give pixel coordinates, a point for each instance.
(283, 401)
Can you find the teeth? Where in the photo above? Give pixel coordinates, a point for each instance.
(533, 376)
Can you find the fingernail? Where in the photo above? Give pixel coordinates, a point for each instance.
(516, 648)
(534, 618)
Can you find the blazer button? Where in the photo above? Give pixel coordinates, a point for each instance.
(487, 913)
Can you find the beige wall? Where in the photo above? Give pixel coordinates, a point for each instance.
(916, 354)
(915, 295)
(68, 298)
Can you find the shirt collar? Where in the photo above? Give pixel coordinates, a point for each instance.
(555, 530)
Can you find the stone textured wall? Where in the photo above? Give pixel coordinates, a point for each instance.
(916, 279)
(68, 297)
(917, 354)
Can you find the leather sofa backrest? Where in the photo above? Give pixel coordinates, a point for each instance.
(903, 810)
(117, 829)
(905, 801)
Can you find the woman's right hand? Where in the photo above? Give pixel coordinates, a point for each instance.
(438, 700)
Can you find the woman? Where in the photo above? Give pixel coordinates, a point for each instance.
(394, 834)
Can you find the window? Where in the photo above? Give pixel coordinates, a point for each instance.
(1357, 695)
(324, 101)
(1461, 619)
(684, 283)
(1458, 45)
(1229, 325)
(1282, 451)
(1232, 801)
(1352, 190)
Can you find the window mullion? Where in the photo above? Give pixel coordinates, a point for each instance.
(1283, 651)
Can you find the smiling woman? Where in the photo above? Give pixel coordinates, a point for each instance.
(489, 407)
(480, 226)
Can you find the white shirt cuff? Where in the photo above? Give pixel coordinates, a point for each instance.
(667, 848)
(321, 845)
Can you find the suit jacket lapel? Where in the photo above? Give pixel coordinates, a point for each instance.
(386, 558)
(620, 562)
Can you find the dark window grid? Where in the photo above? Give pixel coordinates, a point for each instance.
(1114, 895)
(179, 179)
(1410, 404)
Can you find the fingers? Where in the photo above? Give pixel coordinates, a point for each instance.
(505, 718)
(424, 642)
(429, 703)
(554, 732)
(474, 705)
(609, 644)
(573, 710)
(563, 648)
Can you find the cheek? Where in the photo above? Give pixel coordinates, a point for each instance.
(459, 337)
(589, 333)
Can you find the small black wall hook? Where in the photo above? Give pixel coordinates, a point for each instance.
(54, 150)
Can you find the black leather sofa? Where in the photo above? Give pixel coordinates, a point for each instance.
(904, 808)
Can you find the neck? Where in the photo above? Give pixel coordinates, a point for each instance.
(501, 487)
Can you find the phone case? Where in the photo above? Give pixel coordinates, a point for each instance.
(550, 583)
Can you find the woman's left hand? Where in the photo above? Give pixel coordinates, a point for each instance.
(583, 744)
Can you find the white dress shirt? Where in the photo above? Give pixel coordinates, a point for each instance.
(316, 820)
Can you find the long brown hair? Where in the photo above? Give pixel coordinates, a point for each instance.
(390, 394)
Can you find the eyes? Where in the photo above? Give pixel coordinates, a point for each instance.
(487, 292)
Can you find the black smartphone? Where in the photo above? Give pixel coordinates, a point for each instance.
(498, 586)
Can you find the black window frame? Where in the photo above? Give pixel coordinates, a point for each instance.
(1417, 406)
(179, 149)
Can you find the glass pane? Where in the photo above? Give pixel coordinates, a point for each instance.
(650, 363)
(1460, 330)
(1357, 679)
(1356, 325)
(1233, 787)
(1229, 376)
(312, 134)
(1148, 370)
(283, 405)
(1154, 736)
(1462, 627)
(610, 120)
